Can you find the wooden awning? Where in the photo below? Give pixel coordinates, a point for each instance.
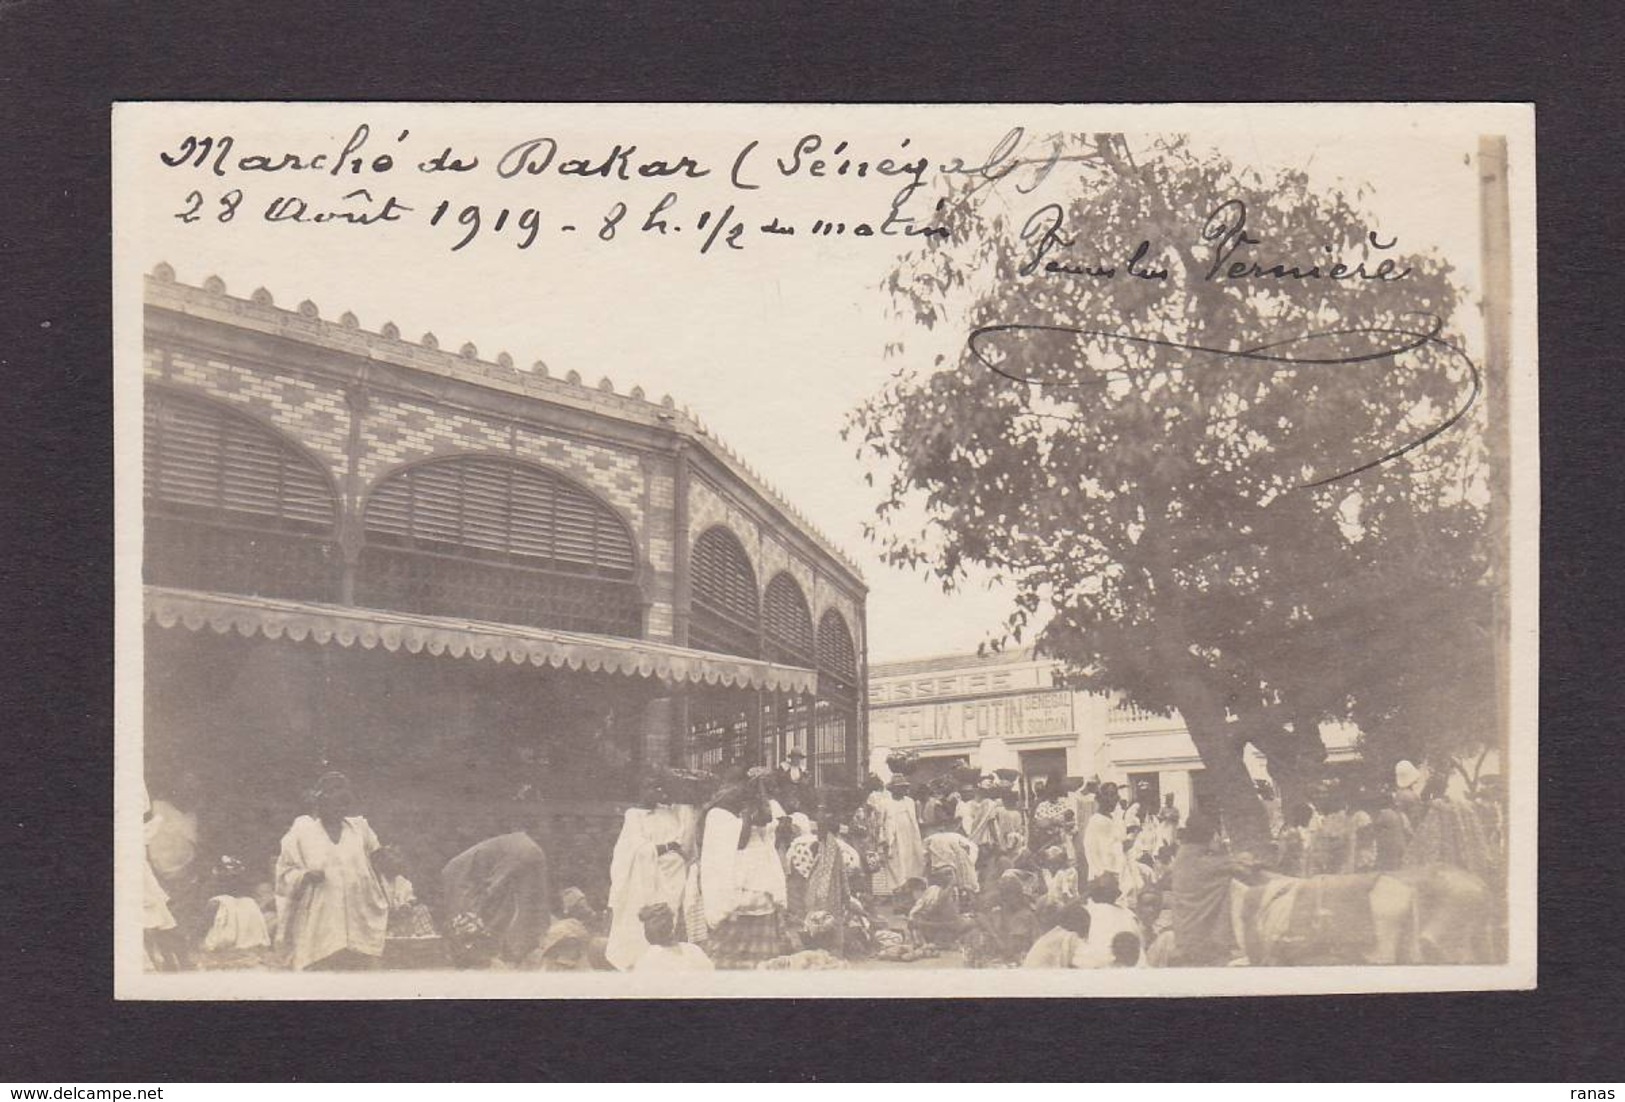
(518, 644)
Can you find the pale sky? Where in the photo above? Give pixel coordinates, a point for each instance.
(770, 346)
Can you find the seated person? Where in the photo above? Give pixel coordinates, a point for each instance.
(468, 943)
(1008, 927)
(1126, 949)
(1107, 919)
(236, 934)
(566, 947)
(1059, 948)
(576, 905)
(820, 933)
(1060, 877)
(407, 917)
(665, 953)
(935, 919)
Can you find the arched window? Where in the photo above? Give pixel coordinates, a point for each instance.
(835, 718)
(489, 538)
(787, 623)
(725, 610)
(836, 654)
(232, 506)
(787, 628)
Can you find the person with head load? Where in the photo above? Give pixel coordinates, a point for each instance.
(504, 882)
(649, 865)
(901, 846)
(338, 910)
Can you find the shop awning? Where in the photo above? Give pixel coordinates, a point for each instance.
(369, 628)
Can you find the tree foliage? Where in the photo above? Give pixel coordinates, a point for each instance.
(1178, 476)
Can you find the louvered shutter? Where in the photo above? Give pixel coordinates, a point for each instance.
(786, 619)
(206, 459)
(489, 508)
(723, 578)
(484, 498)
(724, 588)
(836, 653)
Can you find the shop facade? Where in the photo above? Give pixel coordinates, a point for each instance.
(1005, 711)
(457, 579)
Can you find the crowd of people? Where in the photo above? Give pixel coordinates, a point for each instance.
(759, 870)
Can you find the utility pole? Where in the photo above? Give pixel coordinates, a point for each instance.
(1495, 239)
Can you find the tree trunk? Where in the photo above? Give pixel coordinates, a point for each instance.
(1241, 812)
(1295, 758)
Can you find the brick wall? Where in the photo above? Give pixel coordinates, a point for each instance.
(311, 412)
(769, 554)
(398, 431)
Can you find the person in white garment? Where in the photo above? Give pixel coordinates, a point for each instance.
(1103, 835)
(157, 923)
(1107, 919)
(742, 883)
(338, 911)
(662, 951)
(948, 848)
(649, 865)
(902, 848)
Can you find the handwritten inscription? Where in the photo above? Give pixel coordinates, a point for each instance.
(723, 204)
(1222, 236)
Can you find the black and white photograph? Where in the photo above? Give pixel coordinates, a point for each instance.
(718, 550)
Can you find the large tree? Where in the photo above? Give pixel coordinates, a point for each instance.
(1227, 478)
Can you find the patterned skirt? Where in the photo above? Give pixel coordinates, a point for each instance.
(693, 910)
(744, 941)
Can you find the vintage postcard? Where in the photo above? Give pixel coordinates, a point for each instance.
(667, 550)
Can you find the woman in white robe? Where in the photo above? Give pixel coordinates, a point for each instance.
(338, 911)
(742, 883)
(902, 848)
(649, 865)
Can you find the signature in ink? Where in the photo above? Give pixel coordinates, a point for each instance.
(1230, 247)
(1386, 343)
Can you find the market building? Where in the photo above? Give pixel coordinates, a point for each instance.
(454, 579)
(1005, 711)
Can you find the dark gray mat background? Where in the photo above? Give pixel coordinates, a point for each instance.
(63, 63)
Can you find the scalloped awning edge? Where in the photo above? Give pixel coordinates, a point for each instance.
(370, 628)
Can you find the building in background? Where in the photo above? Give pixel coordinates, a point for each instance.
(1004, 711)
(453, 578)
